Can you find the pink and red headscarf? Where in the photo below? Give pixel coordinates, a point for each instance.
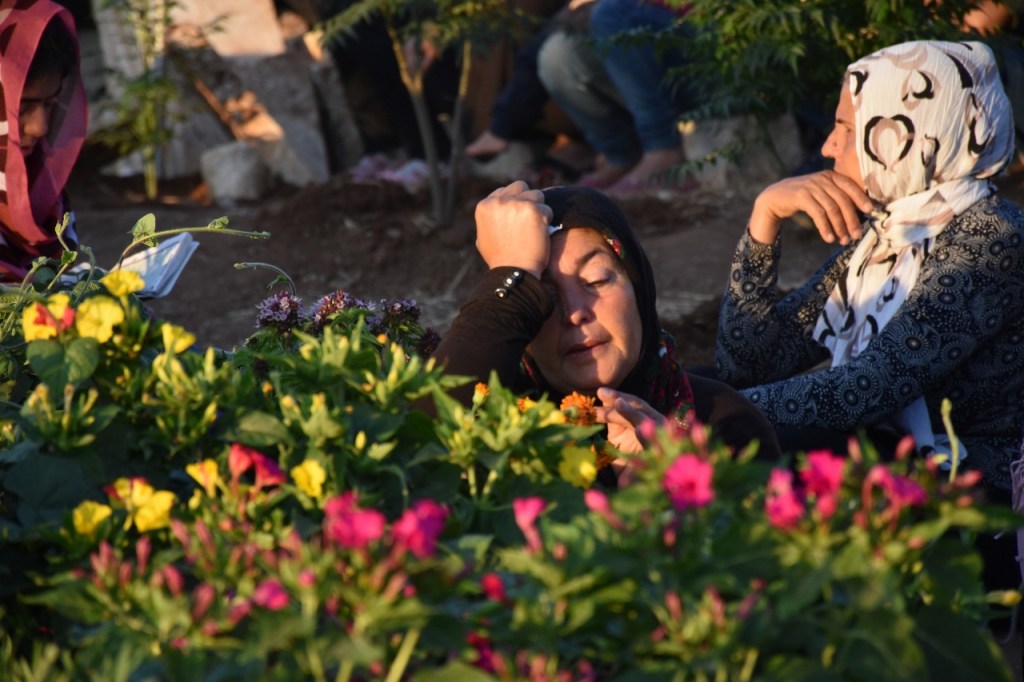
(32, 202)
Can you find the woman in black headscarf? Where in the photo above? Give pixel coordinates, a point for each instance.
(569, 304)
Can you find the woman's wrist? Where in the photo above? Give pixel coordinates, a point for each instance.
(763, 227)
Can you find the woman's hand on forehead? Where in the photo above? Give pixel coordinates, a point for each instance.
(512, 228)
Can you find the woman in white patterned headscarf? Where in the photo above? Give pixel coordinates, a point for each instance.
(925, 300)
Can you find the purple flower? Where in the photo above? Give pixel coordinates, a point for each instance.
(428, 342)
(281, 311)
(332, 304)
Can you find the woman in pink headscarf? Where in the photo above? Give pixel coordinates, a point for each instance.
(40, 89)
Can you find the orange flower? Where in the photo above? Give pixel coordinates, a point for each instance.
(579, 409)
(602, 459)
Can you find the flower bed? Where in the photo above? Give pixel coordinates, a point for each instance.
(313, 505)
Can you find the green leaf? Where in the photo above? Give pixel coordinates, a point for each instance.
(18, 452)
(82, 357)
(144, 230)
(957, 648)
(260, 429)
(454, 672)
(46, 358)
(48, 486)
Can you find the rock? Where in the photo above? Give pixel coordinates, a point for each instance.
(506, 165)
(235, 172)
(736, 152)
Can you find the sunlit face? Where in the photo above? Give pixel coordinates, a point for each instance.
(37, 102)
(593, 337)
(841, 144)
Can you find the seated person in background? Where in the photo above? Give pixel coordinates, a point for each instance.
(617, 94)
(520, 106)
(925, 299)
(41, 89)
(576, 311)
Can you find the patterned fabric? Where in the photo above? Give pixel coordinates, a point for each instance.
(657, 377)
(31, 189)
(932, 122)
(959, 334)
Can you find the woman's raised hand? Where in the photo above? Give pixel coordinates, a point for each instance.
(830, 199)
(512, 228)
(625, 414)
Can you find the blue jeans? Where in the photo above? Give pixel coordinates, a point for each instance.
(616, 94)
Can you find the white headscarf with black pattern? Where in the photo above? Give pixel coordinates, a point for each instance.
(932, 122)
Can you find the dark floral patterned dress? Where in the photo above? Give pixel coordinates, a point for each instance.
(959, 334)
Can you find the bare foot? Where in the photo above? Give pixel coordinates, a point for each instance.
(573, 153)
(654, 163)
(604, 174)
(488, 144)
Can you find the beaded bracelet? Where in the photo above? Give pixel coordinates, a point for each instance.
(509, 282)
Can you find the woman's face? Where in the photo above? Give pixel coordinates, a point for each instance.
(593, 337)
(37, 102)
(841, 144)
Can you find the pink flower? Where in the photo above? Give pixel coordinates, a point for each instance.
(493, 587)
(487, 659)
(781, 503)
(202, 598)
(348, 526)
(173, 579)
(267, 471)
(824, 472)
(271, 595)
(526, 510)
(822, 477)
(597, 502)
(239, 460)
(900, 491)
(688, 483)
(419, 527)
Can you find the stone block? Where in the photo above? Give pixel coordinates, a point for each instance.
(735, 151)
(235, 28)
(235, 172)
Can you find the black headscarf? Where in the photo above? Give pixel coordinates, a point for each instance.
(587, 207)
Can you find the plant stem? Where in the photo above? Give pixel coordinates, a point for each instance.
(268, 266)
(954, 442)
(403, 655)
(414, 85)
(178, 230)
(345, 671)
(455, 156)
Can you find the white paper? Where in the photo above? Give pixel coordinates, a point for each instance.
(160, 265)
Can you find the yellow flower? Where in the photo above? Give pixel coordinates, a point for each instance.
(176, 339)
(97, 318)
(148, 509)
(205, 473)
(156, 512)
(309, 477)
(39, 321)
(525, 404)
(122, 282)
(578, 467)
(88, 516)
